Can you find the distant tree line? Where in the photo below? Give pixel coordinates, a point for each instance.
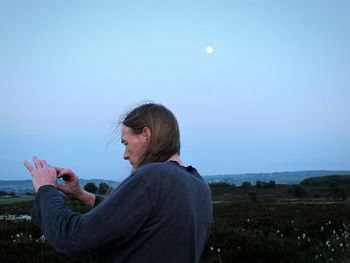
(331, 180)
(245, 184)
(260, 184)
(102, 189)
(336, 187)
(4, 193)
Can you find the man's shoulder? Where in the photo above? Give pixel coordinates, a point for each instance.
(154, 168)
(166, 170)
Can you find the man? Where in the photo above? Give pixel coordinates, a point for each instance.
(161, 213)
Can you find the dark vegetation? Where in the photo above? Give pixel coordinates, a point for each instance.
(265, 222)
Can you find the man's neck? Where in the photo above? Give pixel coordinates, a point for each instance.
(175, 158)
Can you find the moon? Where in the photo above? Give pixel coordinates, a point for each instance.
(209, 49)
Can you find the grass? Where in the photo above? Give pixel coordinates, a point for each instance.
(16, 199)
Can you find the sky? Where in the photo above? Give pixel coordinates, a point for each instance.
(274, 95)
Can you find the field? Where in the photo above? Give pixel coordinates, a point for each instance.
(16, 199)
(262, 223)
(280, 232)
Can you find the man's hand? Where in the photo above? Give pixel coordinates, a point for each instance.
(71, 186)
(42, 174)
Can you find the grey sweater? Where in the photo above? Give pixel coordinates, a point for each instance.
(160, 213)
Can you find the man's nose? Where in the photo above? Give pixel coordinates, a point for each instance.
(126, 155)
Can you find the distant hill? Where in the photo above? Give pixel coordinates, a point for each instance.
(20, 187)
(278, 177)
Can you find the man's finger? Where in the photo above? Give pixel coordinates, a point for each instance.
(29, 166)
(37, 162)
(65, 174)
(58, 169)
(61, 173)
(44, 163)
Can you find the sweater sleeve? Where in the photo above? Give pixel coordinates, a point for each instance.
(111, 223)
(99, 199)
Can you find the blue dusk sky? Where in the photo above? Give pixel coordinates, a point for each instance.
(274, 95)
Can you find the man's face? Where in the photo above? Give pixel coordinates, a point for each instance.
(135, 146)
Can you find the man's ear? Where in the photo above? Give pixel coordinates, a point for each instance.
(146, 133)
